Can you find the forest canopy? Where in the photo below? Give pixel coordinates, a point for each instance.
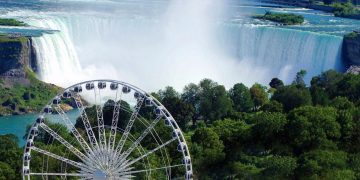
(280, 131)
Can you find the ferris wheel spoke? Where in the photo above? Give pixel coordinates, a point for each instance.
(114, 122)
(74, 150)
(59, 174)
(148, 153)
(129, 126)
(73, 130)
(158, 141)
(140, 138)
(146, 170)
(100, 119)
(60, 158)
(85, 120)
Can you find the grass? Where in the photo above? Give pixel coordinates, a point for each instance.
(351, 35)
(11, 22)
(286, 19)
(26, 99)
(7, 38)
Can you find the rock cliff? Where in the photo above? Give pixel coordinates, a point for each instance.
(16, 54)
(351, 48)
(20, 90)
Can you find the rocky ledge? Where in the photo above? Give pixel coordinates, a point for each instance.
(354, 70)
(351, 48)
(17, 54)
(20, 90)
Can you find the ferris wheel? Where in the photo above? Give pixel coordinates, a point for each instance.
(105, 129)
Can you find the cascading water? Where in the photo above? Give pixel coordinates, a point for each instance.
(56, 55)
(182, 43)
(267, 52)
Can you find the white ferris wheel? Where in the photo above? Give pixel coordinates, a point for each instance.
(115, 131)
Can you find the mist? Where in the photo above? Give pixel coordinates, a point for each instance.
(153, 44)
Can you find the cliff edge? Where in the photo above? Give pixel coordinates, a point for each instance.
(20, 90)
(351, 48)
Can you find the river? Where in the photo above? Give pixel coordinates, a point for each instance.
(17, 124)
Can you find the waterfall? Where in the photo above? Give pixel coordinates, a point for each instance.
(174, 48)
(269, 52)
(57, 58)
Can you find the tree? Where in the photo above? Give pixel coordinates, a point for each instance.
(324, 87)
(349, 87)
(191, 95)
(7, 172)
(324, 164)
(299, 78)
(207, 150)
(241, 98)
(313, 127)
(268, 127)
(214, 101)
(182, 111)
(168, 93)
(258, 95)
(272, 106)
(279, 167)
(233, 134)
(342, 103)
(276, 83)
(292, 97)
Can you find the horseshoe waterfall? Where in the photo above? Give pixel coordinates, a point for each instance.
(163, 42)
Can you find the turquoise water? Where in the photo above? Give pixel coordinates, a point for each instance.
(17, 124)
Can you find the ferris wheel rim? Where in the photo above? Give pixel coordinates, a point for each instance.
(164, 114)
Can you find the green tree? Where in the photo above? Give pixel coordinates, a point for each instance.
(168, 93)
(7, 172)
(215, 103)
(181, 110)
(191, 95)
(292, 97)
(272, 106)
(259, 95)
(349, 87)
(324, 164)
(207, 150)
(313, 127)
(324, 87)
(279, 167)
(234, 134)
(268, 127)
(241, 98)
(299, 78)
(10, 153)
(276, 83)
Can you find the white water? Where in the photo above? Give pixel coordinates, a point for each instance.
(184, 44)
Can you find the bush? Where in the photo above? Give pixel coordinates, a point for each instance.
(11, 22)
(344, 9)
(286, 19)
